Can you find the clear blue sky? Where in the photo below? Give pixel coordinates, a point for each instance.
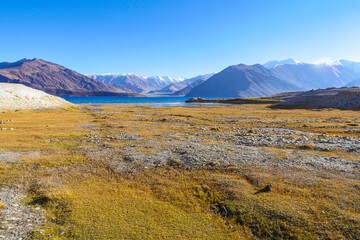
(180, 38)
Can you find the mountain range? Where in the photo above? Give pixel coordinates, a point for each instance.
(57, 80)
(242, 80)
(234, 81)
(136, 83)
(278, 76)
(312, 76)
(175, 88)
(247, 80)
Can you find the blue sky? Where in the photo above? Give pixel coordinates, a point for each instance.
(180, 38)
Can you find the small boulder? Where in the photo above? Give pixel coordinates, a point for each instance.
(267, 188)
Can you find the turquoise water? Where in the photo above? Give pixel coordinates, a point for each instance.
(156, 101)
(124, 100)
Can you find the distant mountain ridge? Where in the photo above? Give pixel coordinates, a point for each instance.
(312, 76)
(247, 80)
(350, 65)
(276, 77)
(354, 83)
(176, 88)
(234, 81)
(242, 81)
(273, 63)
(137, 83)
(55, 79)
(189, 88)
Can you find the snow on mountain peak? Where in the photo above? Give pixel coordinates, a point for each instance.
(274, 63)
(165, 79)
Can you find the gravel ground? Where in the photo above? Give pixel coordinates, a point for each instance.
(17, 220)
(244, 147)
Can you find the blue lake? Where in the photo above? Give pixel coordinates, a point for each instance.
(155, 101)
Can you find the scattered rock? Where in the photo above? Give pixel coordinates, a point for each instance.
(267, 188)
(17, 220)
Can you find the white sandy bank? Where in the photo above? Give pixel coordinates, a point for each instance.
(18, 97)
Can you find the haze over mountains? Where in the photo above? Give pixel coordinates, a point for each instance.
(234, 81)
(355, 83)
(310, 76)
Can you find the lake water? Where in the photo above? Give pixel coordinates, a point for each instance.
(154, 101)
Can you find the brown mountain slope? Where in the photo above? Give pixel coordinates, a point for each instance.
(55, 79)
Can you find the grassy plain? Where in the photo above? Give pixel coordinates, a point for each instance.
(108, 173)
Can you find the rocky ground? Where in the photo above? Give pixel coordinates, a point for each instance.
(17, 219)
(131, 139)
(340, 98)
(244, 146)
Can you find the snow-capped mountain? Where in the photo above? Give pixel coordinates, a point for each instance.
(139, 84)
(166, 79)
(245, 80)
(273, 63)
(176, 87)
(277, 76)
(315, 75)
(350, 65)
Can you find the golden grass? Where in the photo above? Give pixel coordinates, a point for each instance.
(86, 198)
(106, 209)
(291, 210)
(41, 130)
(201, 204)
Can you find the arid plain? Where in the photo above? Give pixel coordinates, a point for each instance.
(141, 172)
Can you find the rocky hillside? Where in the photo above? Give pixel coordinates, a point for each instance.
(340, 98)
(242, 81)
(55, 79)
(18, 96)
